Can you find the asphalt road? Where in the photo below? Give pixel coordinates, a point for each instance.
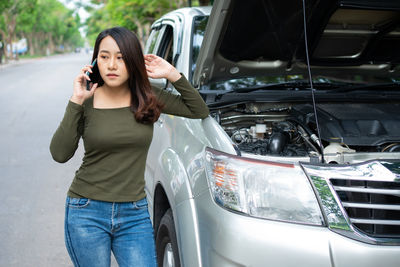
(33, 187)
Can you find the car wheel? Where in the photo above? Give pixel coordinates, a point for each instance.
(166, 245)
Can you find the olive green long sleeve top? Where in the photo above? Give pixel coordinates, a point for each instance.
(116, 145)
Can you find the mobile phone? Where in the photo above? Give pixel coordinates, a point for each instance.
(88, 74)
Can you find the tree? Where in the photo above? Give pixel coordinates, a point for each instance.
(136, 15)
(10, 12)
(26, 24)
(47, 25)
(1, 49)
(98, 21)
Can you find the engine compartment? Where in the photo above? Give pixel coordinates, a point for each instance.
(290, 129)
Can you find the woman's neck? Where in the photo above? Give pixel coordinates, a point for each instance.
(112, 97)
(119, 91)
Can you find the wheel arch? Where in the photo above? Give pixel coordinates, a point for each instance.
(160, 206)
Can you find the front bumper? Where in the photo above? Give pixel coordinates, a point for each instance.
(230, 239)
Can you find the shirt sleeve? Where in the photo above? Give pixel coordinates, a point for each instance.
(66, 138)
(188, 104)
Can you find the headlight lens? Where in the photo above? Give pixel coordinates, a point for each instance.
(262, 189)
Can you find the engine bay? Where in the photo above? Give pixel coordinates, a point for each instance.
(290, 130)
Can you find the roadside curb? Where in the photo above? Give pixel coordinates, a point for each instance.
(25, 60)
(18, 62)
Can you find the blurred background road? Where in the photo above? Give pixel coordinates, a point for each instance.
(33, 187)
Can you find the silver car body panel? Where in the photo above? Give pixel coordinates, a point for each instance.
(155, 167)
(230, 239)
(209, 235)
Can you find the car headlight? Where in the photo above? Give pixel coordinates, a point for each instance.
(262, 189)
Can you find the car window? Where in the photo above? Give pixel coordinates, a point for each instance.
(166, 45)
(199, 27)
(151, 44)
(163, 47)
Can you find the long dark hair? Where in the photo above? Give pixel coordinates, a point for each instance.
(144, 103)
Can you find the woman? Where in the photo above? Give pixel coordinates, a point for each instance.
(106, 208)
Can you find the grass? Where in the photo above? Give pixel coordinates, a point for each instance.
(27, 56)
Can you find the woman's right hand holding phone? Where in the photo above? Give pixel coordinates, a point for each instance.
(80, 93)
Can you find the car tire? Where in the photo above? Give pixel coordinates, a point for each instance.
(166, 244)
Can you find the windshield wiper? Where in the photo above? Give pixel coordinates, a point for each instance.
(284, 86)
(393, 85)
(294, 85)
(289, 86)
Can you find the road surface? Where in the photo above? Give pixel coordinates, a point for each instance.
(33, 187)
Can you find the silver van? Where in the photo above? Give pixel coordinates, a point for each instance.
(298, 163)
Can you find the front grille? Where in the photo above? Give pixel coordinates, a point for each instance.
(373, 207)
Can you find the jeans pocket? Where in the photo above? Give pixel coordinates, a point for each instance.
(77, 202)
(140, 204)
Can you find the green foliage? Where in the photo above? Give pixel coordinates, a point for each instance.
(98, 21)
(128, 13)
(47, 25)
(136, 15)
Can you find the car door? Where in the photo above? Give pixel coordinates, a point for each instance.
(161, 42)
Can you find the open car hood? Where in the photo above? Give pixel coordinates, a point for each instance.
(266, 37)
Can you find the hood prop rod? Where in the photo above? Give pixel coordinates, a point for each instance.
(319, 142)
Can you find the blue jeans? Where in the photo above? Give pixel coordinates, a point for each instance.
(95, 228)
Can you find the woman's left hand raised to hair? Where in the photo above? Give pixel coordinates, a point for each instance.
(157, 68)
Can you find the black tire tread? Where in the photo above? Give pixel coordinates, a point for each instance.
(165, 234)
